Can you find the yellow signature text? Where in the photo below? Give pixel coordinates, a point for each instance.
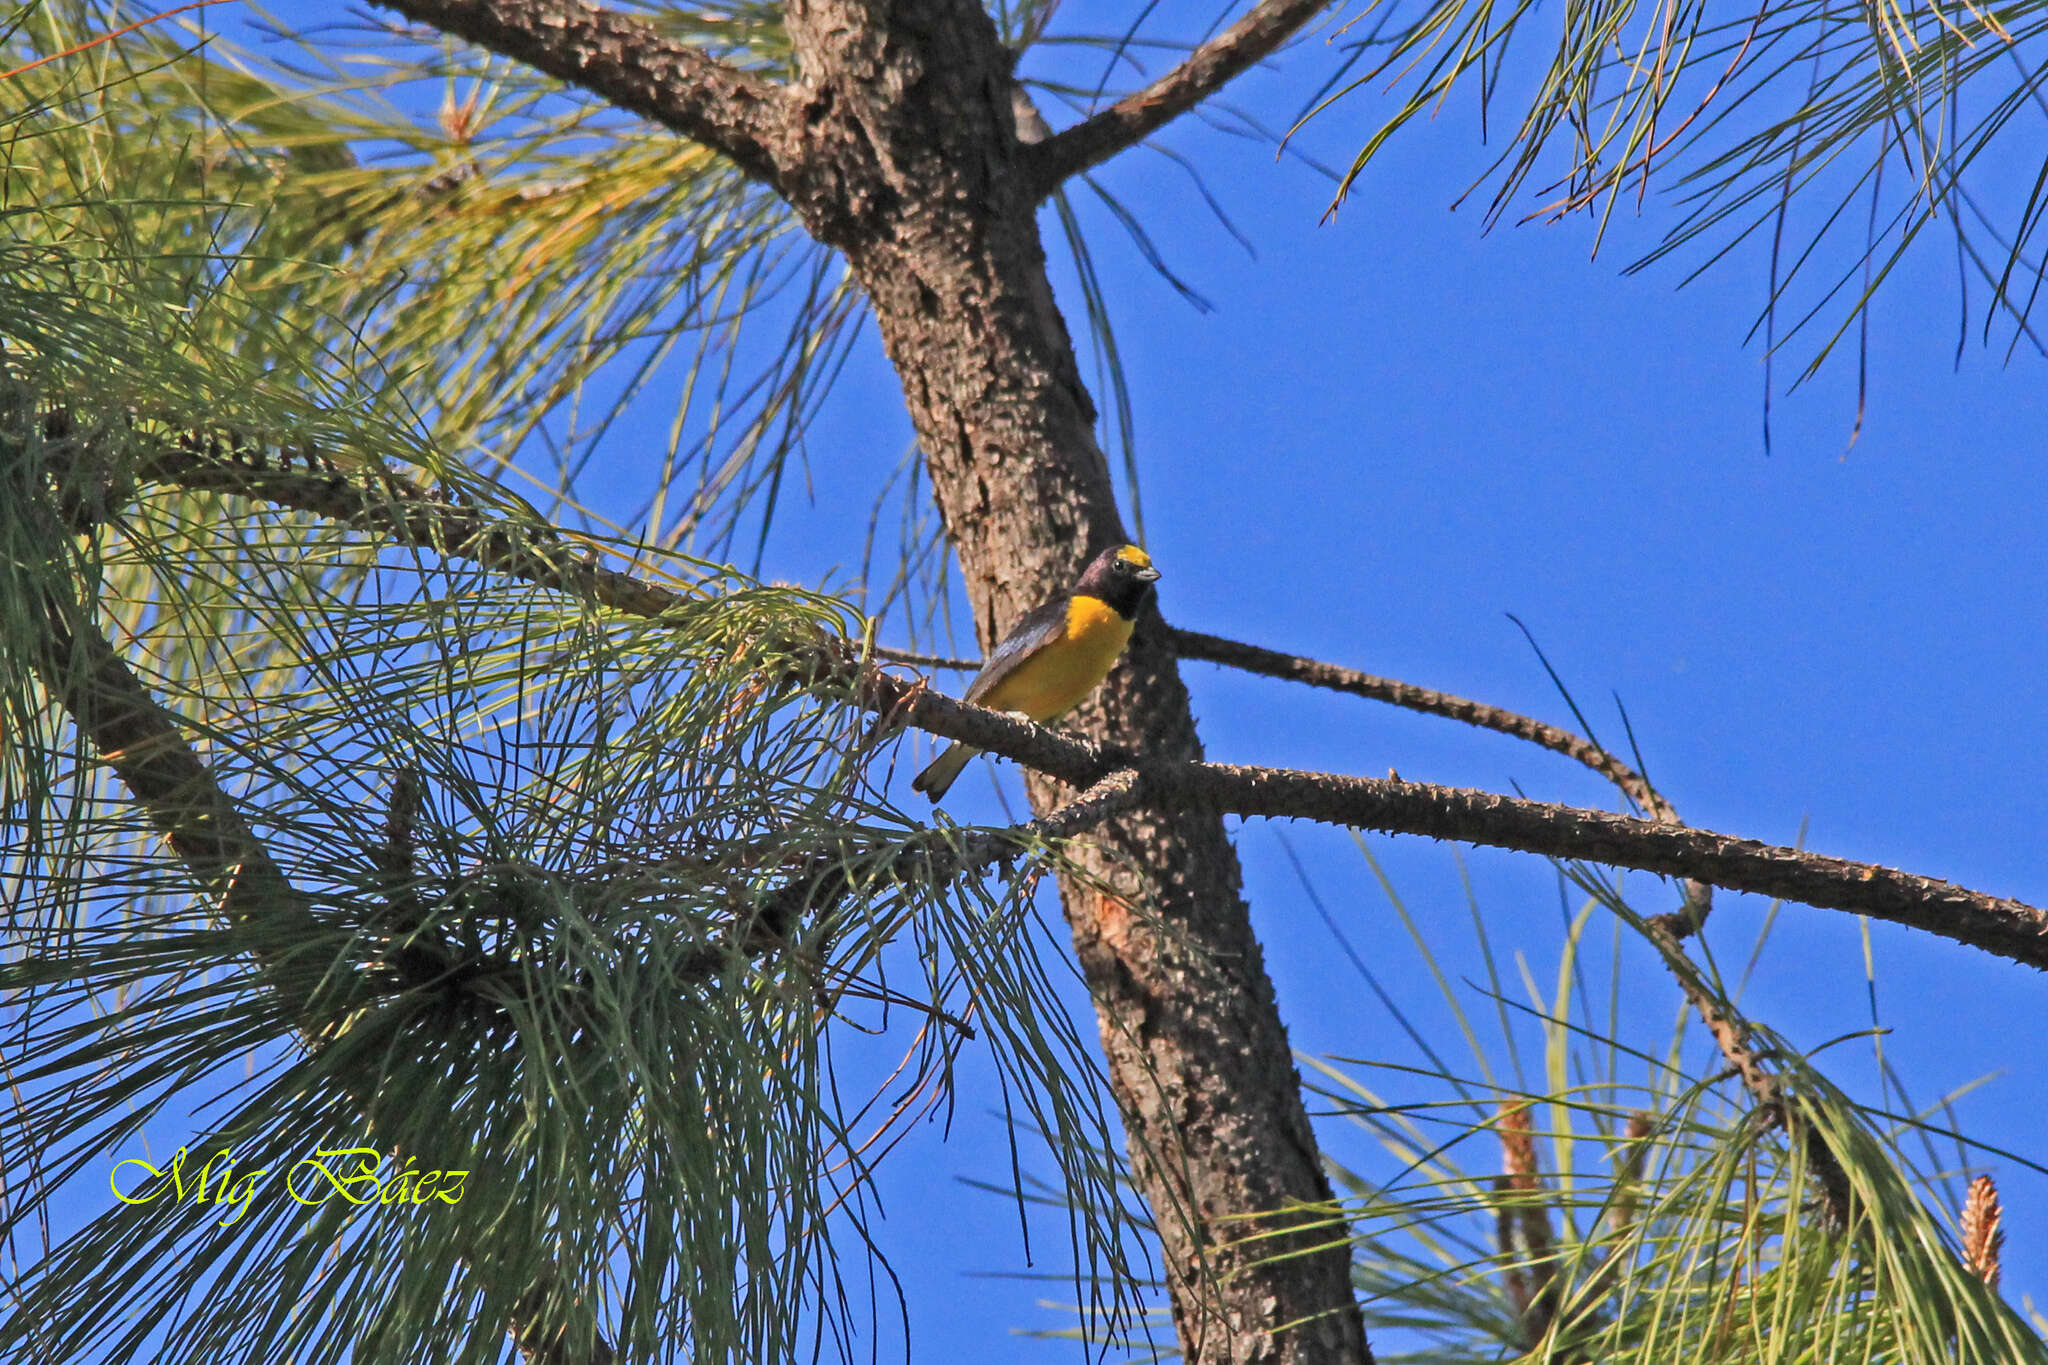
(356, 1175)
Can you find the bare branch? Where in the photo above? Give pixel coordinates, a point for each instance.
(409, 513)
(396, 507)
(916, 660)
(630, 64)
(1998, 925)
(1731, 1035)
(1191, 644)
(1669, 931)
(1137, 116)
(1271, 663)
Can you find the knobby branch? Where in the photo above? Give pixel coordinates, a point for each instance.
(390, 504)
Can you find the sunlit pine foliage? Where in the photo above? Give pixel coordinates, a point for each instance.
(1829, 137)
(1579, 1186)
(528, 843)
(534, 839)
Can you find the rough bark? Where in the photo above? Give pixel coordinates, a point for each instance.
(630, 65)
(915, 172)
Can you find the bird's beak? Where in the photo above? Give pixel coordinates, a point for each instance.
(1148, 574)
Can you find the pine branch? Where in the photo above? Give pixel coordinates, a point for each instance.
(1193, 644)
(1669, 930)
(141, 742)
(929, 860)
(144, 745)
(916, 660)
(147, 750)
(399, 508)
(1271, 663)
(1137, 116)
(1998, 925)
(632, 65)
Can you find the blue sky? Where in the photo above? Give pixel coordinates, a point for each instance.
(1393, 430)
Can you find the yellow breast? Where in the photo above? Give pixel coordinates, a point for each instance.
(1060, 673)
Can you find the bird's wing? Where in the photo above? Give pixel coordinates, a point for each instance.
(1031, 634)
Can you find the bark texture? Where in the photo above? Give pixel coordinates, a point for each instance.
(897, 144)
(628, 63)
(914, 169)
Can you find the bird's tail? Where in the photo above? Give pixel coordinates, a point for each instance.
(939, 774)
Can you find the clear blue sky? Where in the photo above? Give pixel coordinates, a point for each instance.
(1392, 431)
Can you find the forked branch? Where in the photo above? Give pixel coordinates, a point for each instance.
(1271, 663)
(1668, 931)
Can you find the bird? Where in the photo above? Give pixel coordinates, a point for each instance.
(1056, 655)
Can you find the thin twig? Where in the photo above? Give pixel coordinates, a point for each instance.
(106, 37)
(1773, 1108)
(1271, 663)
(914, 660)
(1137, 116)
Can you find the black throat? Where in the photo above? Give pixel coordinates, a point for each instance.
(1124, 596)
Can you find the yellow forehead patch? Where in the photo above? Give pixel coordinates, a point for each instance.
(1131, 554)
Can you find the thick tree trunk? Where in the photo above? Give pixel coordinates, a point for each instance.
(897, 145)
(915, 175)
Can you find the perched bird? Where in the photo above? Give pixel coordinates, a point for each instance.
(1056, 655)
